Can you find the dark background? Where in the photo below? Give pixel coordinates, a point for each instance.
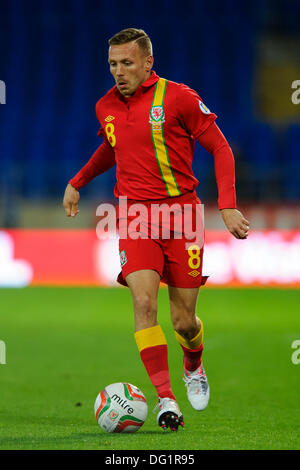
(240, 56)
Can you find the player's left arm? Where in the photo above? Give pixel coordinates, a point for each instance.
(215, 143)
(199, 122)
(236, 223)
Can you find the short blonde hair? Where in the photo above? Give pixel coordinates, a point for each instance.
(133, 34)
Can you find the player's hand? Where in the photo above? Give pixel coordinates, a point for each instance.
(70, 201)
(236, 223)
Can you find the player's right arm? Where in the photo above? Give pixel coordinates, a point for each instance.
(102, 160)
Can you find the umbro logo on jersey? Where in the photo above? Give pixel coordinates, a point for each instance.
(109, 118)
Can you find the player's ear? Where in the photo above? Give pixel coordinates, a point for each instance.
(149, 63)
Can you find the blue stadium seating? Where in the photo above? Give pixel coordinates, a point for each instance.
(54, 64)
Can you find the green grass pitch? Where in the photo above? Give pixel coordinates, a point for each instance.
(63, 345)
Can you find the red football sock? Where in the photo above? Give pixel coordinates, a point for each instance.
(192, 349)
(192, 358)
(155, 360)
(154, 354)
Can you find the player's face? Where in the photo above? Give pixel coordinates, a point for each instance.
(129, 66)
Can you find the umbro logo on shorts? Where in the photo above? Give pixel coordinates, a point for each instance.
(194, 273)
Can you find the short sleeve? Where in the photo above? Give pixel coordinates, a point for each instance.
(194, 115)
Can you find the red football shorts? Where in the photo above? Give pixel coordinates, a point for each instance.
(166, 236)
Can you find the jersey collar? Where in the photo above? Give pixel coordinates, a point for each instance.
(151, 80)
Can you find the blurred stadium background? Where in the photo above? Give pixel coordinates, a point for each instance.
(241, 57)
(63, 344)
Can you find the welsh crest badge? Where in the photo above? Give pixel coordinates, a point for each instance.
(157, 114)
(113, 414)
(123, 257)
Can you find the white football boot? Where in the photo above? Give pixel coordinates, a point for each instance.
(169, 414)
(197, 388)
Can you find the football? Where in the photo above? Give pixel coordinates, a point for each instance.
(121, 407)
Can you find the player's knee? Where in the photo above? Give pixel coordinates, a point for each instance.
(186, 326)
(145, 305)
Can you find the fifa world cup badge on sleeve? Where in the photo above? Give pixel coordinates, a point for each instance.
(203, 108)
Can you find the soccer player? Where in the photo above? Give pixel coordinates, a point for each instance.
(149, 126)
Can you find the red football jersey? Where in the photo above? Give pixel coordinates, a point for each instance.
(153, 136)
